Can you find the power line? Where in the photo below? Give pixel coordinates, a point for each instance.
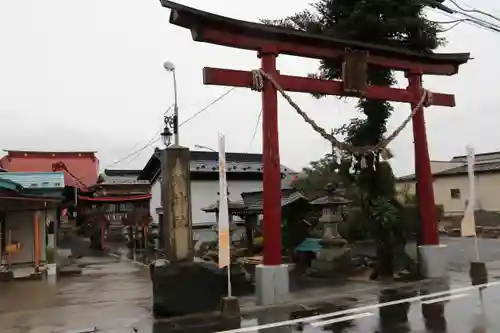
(255, 131)
(448, 22)
(155, 139)
(452, 27)
(471, 19)
(135, 151)
(477, 23)
(208, 106)
(152, 141)
(474, 10)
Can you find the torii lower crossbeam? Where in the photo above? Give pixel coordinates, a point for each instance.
(237, 78)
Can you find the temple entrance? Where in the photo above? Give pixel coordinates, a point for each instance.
(269, 42)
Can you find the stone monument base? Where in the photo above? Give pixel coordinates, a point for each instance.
(334, 260)
(188, 287)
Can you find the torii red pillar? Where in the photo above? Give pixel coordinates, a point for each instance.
(271, 164)
(425, 191)
(269, 42)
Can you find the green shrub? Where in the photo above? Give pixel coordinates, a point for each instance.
(357, 227)
(411, 217)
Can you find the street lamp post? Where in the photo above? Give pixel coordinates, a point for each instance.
(170, 67)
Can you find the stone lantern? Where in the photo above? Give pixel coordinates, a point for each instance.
(335, 256)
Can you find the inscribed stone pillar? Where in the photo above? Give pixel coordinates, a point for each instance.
(176, 197)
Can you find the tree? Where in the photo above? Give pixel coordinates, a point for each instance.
(315, 177)
(399, 23)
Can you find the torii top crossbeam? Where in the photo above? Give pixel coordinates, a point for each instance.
(220, 30)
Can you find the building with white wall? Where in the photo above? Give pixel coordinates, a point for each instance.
(451, 184)
(244, 174)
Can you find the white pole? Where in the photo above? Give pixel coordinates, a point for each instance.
(471, 157)
(224, 231)
(476, 246)
(176, 111)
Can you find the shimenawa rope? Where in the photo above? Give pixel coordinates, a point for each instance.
(258, 77)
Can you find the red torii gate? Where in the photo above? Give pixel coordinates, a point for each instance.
(269, 42)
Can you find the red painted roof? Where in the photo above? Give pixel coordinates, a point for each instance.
(27, 197)
(117, 199)
(83, 165)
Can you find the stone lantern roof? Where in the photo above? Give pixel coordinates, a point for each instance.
(334, 197)
(233, 207)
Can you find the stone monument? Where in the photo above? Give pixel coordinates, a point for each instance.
(334, 259)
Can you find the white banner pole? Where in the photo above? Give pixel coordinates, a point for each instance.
(224, 233)
(471, 205)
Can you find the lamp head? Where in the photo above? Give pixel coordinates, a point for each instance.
(169, 66)
(166, 136)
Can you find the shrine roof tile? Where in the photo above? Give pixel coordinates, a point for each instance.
(233, 206)
(330, 200)
(459, 171)
(208, 162)
(36, 180)
(253, 200)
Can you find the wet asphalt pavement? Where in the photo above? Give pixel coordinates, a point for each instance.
(431, 307)
(111, 295)
(115, 296)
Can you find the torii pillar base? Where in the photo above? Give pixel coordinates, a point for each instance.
(433, 260)
(272, 284)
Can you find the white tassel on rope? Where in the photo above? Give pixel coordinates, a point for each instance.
(363, 163)
(386, 154)
(468, 225)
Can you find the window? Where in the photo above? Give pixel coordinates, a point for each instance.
(126, 207)
(455, 193)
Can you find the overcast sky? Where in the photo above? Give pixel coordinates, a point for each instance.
(88, 75)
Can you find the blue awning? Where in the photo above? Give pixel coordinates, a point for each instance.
(309, 245)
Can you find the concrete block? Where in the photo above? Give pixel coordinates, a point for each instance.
(35, 277)
(230, 307)
(478, 273)
(6, 276)
(434, 262)
(272, 284)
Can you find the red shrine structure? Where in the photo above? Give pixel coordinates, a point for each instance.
(271, 41)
